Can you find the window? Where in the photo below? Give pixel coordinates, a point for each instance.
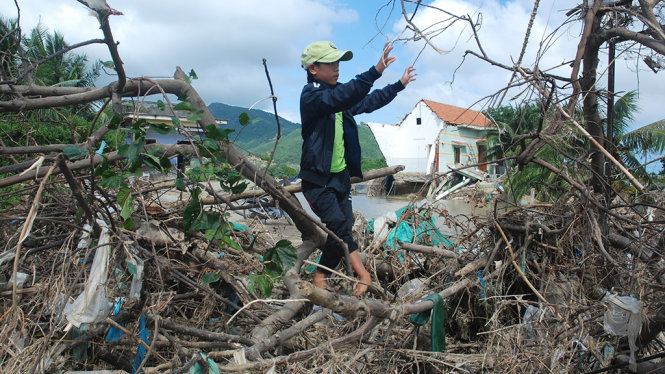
(419, 121)
(458, 153)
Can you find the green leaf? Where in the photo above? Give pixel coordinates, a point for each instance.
(208, 147)
(180, 184)
(184, 106)
(108, 64)
(110, 179)
(215, 133)
(231, 243)
(162, 128)
(210, 277)
(132, 151)
(285, 254)
(165, 164)
(195, 116)
(75, 153)
(151, 160)
(210, 144)
(239, 188)
(138, 127)
(128, 225)
(176, 121)
(161, 105)
(280, 258)
(193, 210)
(262, 282)
(206, 221)
(243, 118)
(126, 202)
(115, 121)
(192, 74)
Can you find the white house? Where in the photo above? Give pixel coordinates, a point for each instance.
(433, 136)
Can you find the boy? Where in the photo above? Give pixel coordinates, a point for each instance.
(331, 150)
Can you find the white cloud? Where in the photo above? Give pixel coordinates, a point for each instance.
(453, 79)
(225, 42)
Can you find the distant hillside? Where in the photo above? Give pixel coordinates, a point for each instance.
(261, 129)
(258, 137)
(290, 147)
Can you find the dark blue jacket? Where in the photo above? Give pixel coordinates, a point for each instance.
(318, 104)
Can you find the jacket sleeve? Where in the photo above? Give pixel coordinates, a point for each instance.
(319, 99)
(377, 99)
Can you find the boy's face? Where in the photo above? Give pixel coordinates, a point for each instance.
(327, 72)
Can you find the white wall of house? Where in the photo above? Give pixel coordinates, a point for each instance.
(411, 143)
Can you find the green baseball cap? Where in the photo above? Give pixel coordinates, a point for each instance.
(323, 51)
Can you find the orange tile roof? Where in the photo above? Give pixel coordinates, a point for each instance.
(458, 116)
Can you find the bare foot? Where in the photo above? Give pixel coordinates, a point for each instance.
(321, 281)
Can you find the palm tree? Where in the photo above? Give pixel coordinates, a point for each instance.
(68, 69)
(8, 47)
(640, 141)
(515, 122)
(40, 54)
(512, 124)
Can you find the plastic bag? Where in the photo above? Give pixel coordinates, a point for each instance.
(92, 305)
(412, 288)
(382, 226)
(623, 317)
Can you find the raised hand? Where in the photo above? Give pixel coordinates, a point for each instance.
(385, 59)
(409, 75)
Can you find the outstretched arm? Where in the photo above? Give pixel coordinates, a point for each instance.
(378, 98)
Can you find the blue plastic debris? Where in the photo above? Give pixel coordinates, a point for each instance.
(101, 148)
(234, 299)
(425, 232)
(241, 227)
(482, 284)
(115, 334)
(212, 366)
(144, 334)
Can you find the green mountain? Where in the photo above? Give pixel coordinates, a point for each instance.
(261, 129)
(258, 137)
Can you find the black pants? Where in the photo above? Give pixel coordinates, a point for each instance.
(332, 203)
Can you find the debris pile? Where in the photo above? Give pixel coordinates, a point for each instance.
(527, 289)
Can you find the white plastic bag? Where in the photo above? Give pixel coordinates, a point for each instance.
(92, 305)
(412, 288)
(382, 226)
(623, 317)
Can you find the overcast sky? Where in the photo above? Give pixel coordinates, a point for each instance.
(225, 41)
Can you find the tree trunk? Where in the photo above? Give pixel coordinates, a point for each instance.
(590, 104)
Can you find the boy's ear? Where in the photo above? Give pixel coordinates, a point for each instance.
(312, 69)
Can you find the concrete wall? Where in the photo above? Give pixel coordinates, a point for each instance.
(461, 138)
(409, 143)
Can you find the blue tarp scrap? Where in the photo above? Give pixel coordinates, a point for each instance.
(144, 334)
(404, 232)
(234, 299)
(241, 227)
(482, 284)
(115, 334)
(212, 366)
